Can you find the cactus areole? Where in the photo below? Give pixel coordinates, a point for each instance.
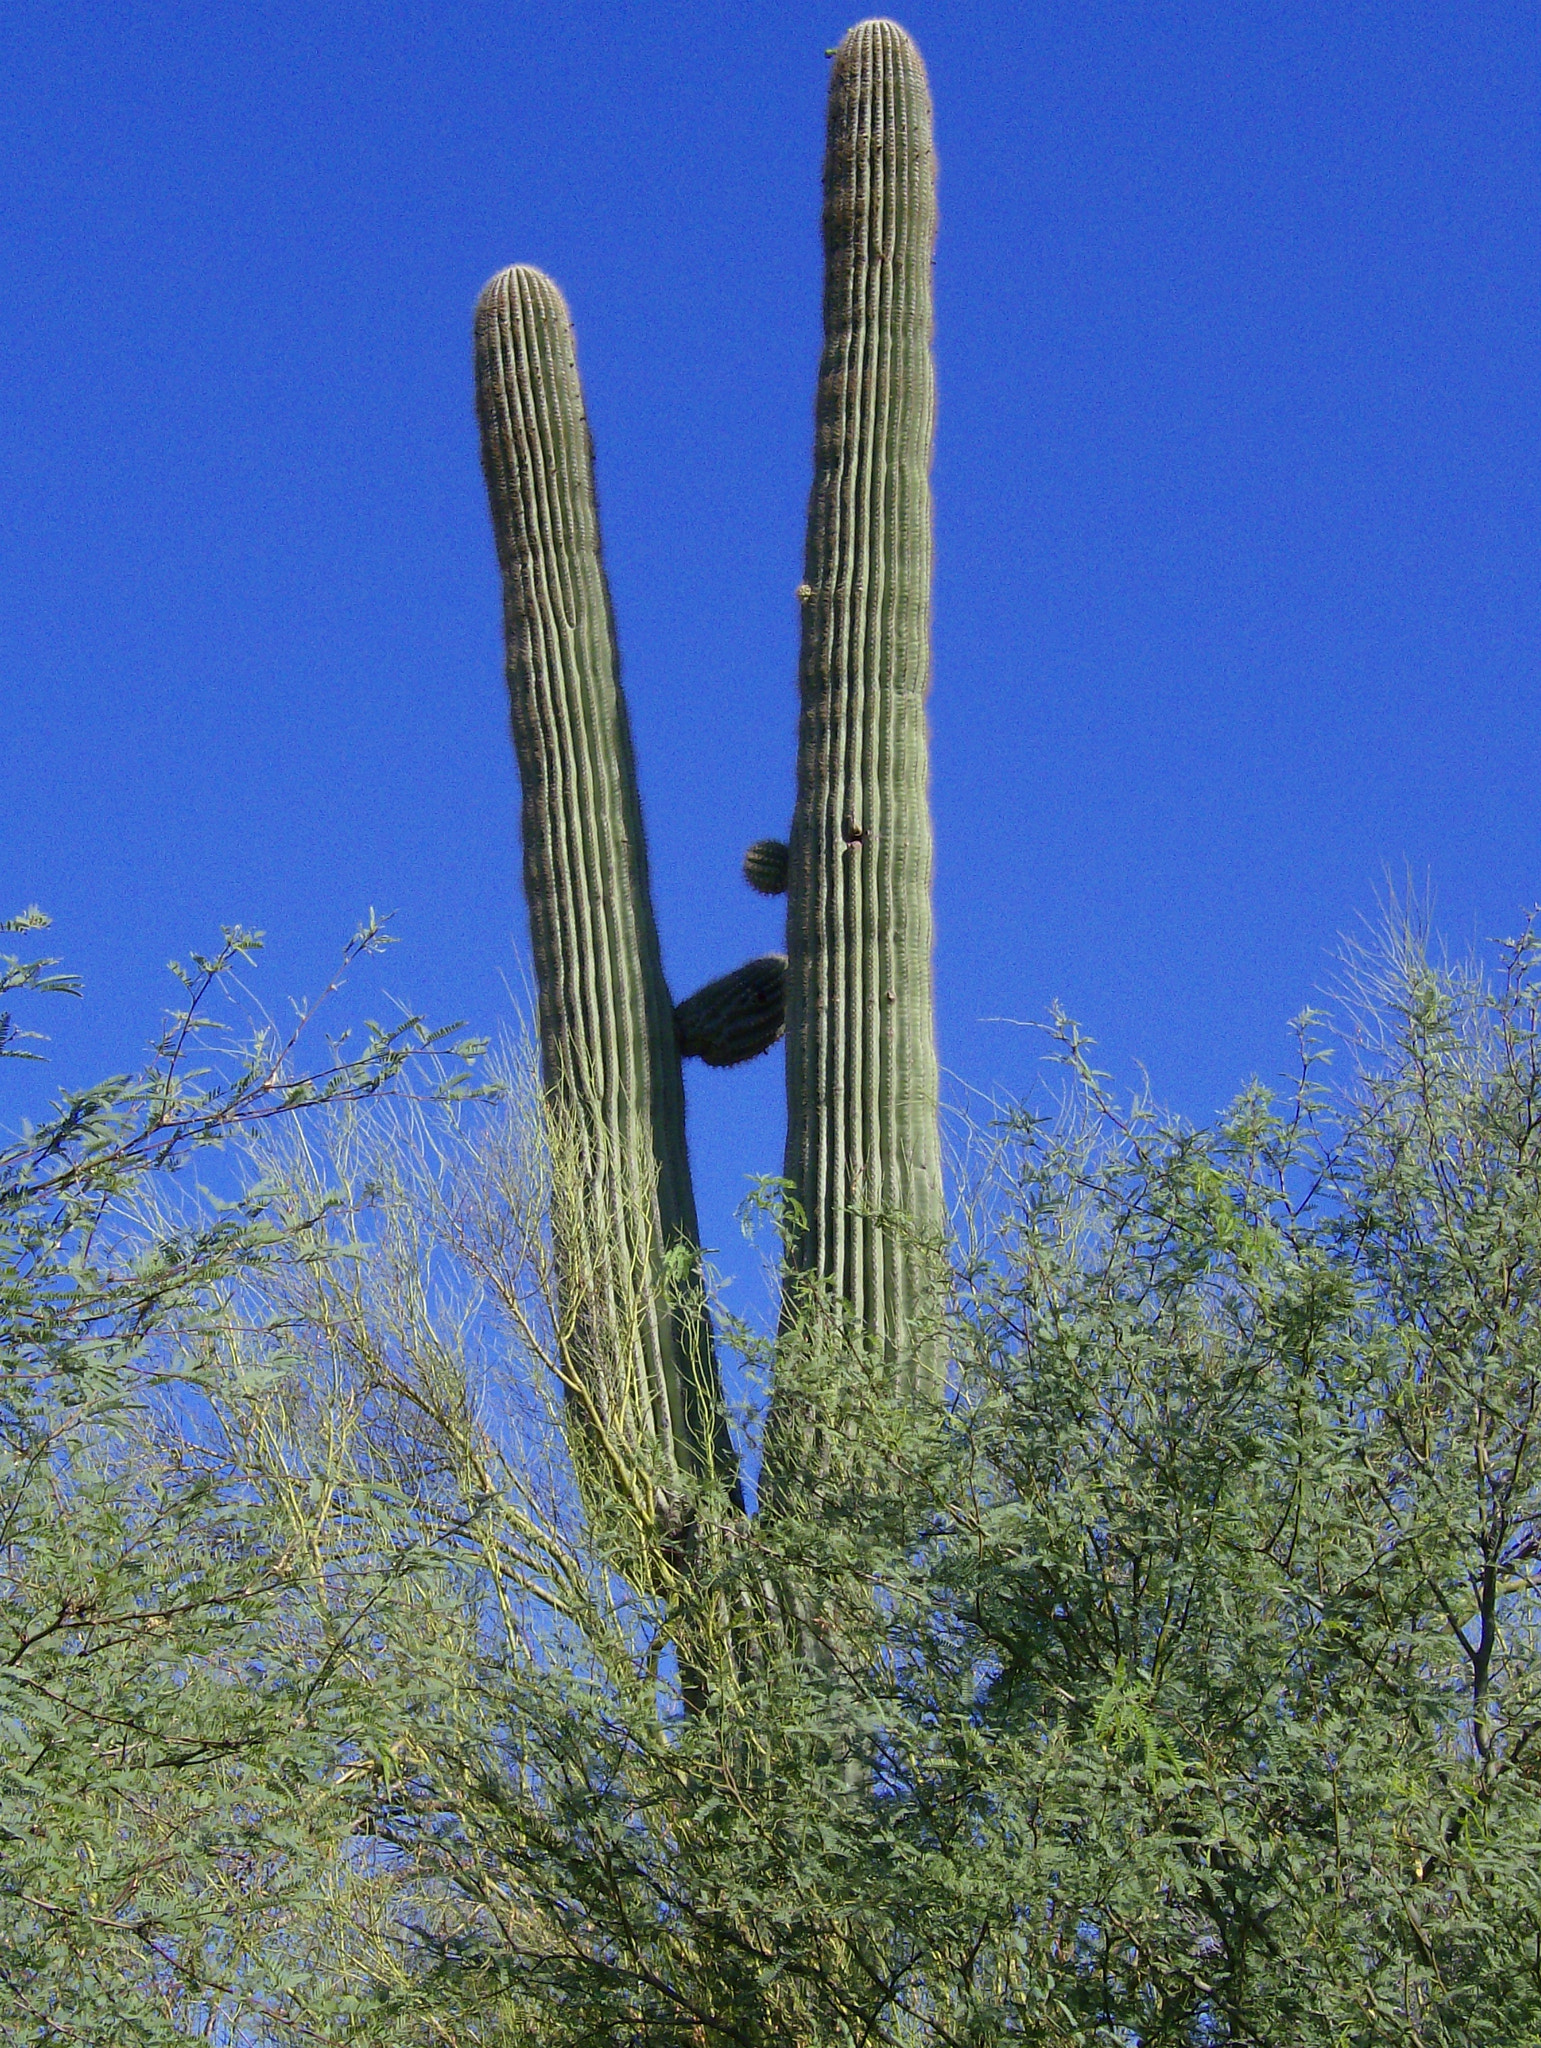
(862, 1151)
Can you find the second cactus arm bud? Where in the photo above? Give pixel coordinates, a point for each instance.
(765, 867)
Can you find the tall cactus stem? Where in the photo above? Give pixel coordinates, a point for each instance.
(863, 1150)
(635, 1338)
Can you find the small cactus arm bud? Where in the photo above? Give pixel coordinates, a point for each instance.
(765, 867)
(737, 1016)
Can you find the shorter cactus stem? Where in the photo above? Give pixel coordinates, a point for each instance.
(635, 1338)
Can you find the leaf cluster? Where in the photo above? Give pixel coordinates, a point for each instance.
(1176, 1682)
(164, 1776)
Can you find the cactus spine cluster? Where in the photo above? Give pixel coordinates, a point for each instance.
(855, 996)
(863, 1151)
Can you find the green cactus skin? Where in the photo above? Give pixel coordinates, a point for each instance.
(863, 1146)
(738, 1016)
(765, 867)
(637, 1348)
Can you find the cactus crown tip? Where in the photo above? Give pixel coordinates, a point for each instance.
(877, 28)
(877, 47)
(520, 282)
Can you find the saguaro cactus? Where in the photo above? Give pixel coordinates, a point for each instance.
(863, 1152)
(635, 1339)
(862, 1143)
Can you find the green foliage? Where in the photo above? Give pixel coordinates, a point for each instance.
(1179, 1680)
(29, 976)
(1195, 1653)
(1245, 1593)
(386, 1656)
(167, 1734)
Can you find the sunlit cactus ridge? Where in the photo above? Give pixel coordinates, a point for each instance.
(855, 995)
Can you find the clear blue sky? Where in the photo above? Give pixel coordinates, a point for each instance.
(1237, 473)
